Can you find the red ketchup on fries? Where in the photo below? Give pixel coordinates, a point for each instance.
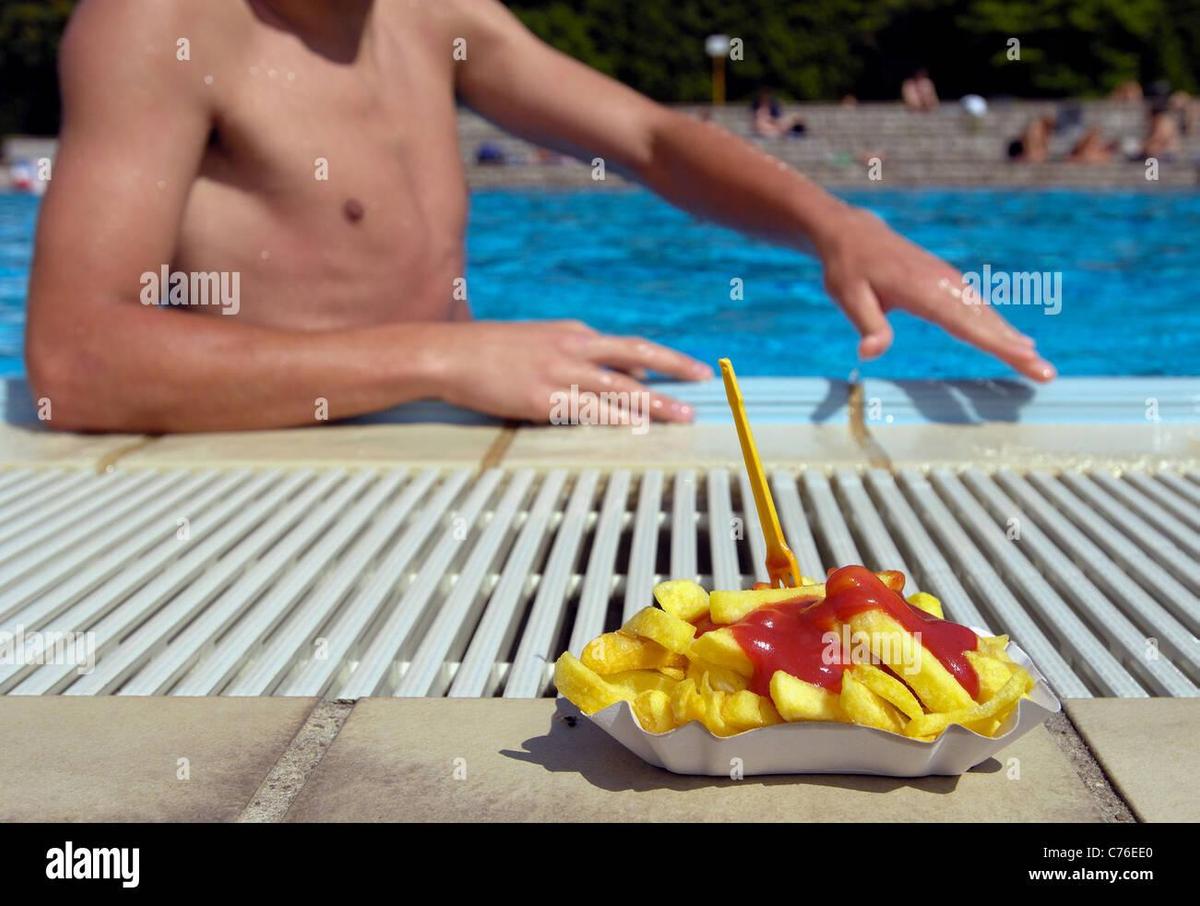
(793, 635)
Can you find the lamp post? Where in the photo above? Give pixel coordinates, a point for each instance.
(717, 47)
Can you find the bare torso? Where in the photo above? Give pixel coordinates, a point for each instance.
(332, 181)
(216, 163)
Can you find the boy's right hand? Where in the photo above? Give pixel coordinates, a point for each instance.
(515, 370)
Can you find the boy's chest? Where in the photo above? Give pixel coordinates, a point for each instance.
(291, 124)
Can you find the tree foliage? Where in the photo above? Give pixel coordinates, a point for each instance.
(29, 34)
(823, 49)
(814, 49)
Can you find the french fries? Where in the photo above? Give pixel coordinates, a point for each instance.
(730, 606)
(739, 660)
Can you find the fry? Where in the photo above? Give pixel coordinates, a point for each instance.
(652, 709)
(721, 649)
(993, 673)
(720, 678)
(888, 688)
(682, 598)
(745, 710)
(928, 603)
(795, 699)
(862, 706)
(583, 686)
(894, 646)
(727, 607)
(659, 626)
(616, 652)
(635, 682)
(932, 724)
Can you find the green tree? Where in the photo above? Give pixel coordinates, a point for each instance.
(816, 49)
(29, 36)
(825, 48)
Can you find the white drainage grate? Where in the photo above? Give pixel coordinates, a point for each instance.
(352, 582)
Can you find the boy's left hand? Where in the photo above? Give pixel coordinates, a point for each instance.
(870, 270)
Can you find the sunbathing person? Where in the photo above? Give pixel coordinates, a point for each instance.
(1127, 92)
(1033, 147)
(769, 120)
(918, 92)
(1163, 139)
(310, 148)
(1187, 108)
(1092, 148)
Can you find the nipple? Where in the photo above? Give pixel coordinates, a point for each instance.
(353, 210)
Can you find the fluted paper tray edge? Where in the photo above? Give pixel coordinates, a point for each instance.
(812, 747)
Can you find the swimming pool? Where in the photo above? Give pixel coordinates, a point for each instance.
(628, 263)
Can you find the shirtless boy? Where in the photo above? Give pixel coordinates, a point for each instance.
(347, 284)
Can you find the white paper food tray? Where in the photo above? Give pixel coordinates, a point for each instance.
(821, 747)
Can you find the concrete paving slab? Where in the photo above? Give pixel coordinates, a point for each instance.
(1150, 750)
(451, 445)
(680, 446)
(25, 446)
(522, 760)
(1040, 445)
(119, 759)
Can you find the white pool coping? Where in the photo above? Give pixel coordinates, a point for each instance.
(801, 400)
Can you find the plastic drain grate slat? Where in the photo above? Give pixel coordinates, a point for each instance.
(345, 582)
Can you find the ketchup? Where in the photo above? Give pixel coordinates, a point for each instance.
(791, 635)
(704, 624)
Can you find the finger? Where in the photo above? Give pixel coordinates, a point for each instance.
(862, 307)
(623, 395)
(953, 285)
(632, 354)
(572, 326)
(982, 327)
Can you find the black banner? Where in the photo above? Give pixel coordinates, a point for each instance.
(189, 859)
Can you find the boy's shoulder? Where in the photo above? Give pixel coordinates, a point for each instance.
(119, 46)
(148, 28)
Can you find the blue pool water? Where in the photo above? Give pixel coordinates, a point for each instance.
(628, 263)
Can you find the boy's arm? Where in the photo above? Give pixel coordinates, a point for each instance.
(136, 123)
(535, 91)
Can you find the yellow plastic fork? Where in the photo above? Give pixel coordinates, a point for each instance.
(781, 562)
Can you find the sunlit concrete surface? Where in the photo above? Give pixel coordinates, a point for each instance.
(1150, 750)
(501, 760)
(139, 759)
(240, 758)
(37, 447)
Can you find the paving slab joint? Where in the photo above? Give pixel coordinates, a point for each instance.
(108, 462)
(273, 798)
(495, 454)
(859, 432)
(1112, 806)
